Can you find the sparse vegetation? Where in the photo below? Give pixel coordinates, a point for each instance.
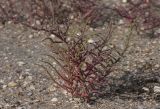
(81, 61)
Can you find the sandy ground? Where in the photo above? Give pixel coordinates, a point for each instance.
(23, 85)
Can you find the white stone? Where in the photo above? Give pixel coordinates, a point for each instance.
(5, 58)
(89, 106)
(78, 34)
(142, 28)
(141, 60)
(124, 1)
(30, 77)
(91, 29)
(145, 89)
(9, 22)
(76, 106)
(28, 73)
(71, 17)
(54, 64)
(31, 87)
(12, 84)
(54, 99)
(51, 88)
(121, 21)
(19, 108)
(1, 26)
(104, 48)
(25, 83)
(103, 28)
(21, 63)
(52, 36)
(30, 36)
(38, 22)
(27, 70)
(157, 65)
(1, 81)
(29, 93)
(68, 39)
(20, 77)
(90, 41)
(61, 26)
(156, 89)
(4, 86)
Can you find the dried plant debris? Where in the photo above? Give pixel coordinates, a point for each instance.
(144, 14)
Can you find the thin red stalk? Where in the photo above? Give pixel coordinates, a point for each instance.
(62, 86)
(62, 77)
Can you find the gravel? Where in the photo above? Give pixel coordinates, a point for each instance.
(24, 85)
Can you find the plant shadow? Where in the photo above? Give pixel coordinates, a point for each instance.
(136, 86)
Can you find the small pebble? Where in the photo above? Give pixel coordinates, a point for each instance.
(78, 34)
(1, 27)
(91, 29)
(105, 48)
(5, 58)
(52, 36)
(154, 42)
(30, 36)
(9, 22)
(156, 89)
(54, 63)
(103, 28)
(51, 88)
(21, 77)
(90, 41)
(1, 81)
(157, 65)
(29, 93)
(71, 17)
(31, 87)
(25, 83)
(76, 106)
(30, 77)
(12, 84)
(54, 99)
(20, 108)
(21, 63)
(124, 1)
(68, 39)
(145, 89)
(89, 106)
(38, 22)
(121, 22)
(27, 70)
(4, 86)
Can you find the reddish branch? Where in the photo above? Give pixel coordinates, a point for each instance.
(82, 67)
